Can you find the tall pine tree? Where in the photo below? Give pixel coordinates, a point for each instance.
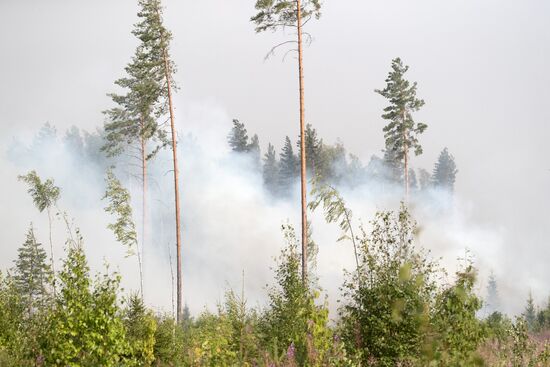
(402, 131)
(280, 14)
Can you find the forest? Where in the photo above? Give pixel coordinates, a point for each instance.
(393, 302)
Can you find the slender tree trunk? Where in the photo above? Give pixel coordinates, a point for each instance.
(179, 306)
(303, 177)
(143, 208)
(406, 151)
(51, 247)
(167, 75)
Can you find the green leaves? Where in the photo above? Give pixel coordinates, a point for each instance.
(119, 206)
(44, 194)
(274, 14)
(402, 132)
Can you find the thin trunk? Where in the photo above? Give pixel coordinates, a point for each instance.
(352, 240)
(179, 306)
(167, 75)
(144, 208)
(303, 177)
(51, 247)
(406, 151)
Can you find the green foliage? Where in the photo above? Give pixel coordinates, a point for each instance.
(44, 194)
(135, 119)
(238, 137)
(140, 328)
(32, 274)
(293, 321)
(335, 211)
(84, 328)
(275, 14)
(288, 166)
(459, 332)
(402, 132)
(119, 205)
(387, 301)
(444, 174)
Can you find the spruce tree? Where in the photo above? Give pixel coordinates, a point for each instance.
(444, 173)
(402, 131)
(238, 137)
(271, 169)
(287, 167)
(254, 151)
(280, 14)
(31, 275)
(530, 313)
(314, 152)
(425, 179)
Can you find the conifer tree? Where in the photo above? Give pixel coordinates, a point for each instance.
(45, 195)
(444, 173)
(530, 312)
(238, 137)
(287, 166)
(31, 274)
(425, 179)
(254, 151)
(280, 14)
(493, 301)
(134, 123)
(314, 152)
(271, 169)
(124, 228)
(402, 131)
(155, 40)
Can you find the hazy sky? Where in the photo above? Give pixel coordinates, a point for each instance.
(481, 66)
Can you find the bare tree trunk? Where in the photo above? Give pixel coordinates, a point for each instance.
(144, 209)
(303, 177)
(51, 246)
(406, 151)
(167, 72)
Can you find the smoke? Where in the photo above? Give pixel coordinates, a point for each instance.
(231, 224)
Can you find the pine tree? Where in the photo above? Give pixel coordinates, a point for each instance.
(238, 138)
(393, 167)
(444, 173)
(31, 274)
(45, 195)
(271, 169)
(287, 167)
(155, 41)
(402, 132)
(134, 123)
(280, 14)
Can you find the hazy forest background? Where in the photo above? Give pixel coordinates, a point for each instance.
(450, 271)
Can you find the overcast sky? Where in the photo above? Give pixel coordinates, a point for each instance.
(481, 67)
